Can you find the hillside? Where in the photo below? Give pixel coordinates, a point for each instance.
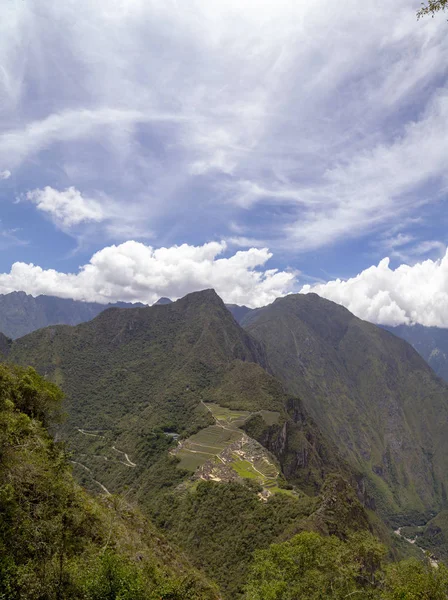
(58, 542)
(430, 342)
(368, 391)
(21, 313)
(175, 405)
(162, 363)
(140, 385)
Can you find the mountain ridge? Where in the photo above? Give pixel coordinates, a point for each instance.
(21, 313)
(367, 391)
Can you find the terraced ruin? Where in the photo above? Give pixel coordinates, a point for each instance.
(224, 452)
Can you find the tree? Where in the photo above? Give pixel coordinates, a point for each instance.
(432, 7)
(315, 567)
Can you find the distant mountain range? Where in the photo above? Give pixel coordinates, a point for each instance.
(329, 423)
(21, 313)
(367, 393)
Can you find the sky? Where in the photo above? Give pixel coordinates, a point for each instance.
(155, 147)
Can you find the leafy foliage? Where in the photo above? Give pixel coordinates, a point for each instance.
(314, 567)
(55, 541)
(432, 7)
(220, 525)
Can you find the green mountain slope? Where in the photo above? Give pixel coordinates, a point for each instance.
(146, 387)
(21, 313)
(136, 379)
(430, 342)
(131, 375)
(55, 540)
(368, 391)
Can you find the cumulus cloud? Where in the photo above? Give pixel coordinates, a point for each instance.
(66, 208)
(5, 174)
(134, 271)
(407, 294)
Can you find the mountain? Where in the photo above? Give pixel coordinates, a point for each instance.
(238, 312)
(430, 342)
(164, 300)
(368, 391)
(21, 313)
(129, 372)
(161, 398)
(229, 438)
(57, 541)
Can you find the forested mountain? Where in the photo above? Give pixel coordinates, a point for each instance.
(368, 391)
(58, 542)
(21, 313)
(430, 342)
(231, 439)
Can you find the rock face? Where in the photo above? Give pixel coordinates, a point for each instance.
(21, 313)
(369, 393)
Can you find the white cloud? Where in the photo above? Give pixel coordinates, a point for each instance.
(66, 208)
(407, 294)
(318, 110)
(136, 272)
(5, 174)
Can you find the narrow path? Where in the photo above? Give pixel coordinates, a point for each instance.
(91, 433)
(84, 432)
(103, 487)
(128, 462)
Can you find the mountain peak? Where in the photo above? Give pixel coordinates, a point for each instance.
(163, 300)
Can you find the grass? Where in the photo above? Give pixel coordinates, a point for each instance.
(234, 418)
(210, 442)
(245, 469)
(190, 461)
(204, 445)
(268, 469)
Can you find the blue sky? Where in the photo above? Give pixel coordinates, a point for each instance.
(153, 147)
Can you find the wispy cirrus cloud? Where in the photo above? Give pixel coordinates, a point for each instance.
(328, 123)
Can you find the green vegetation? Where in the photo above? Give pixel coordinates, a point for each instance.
(364, 389)
(314, 567)
(159, 397)
(244, 469)
(58, 543)
(220, 525)
(432, 7)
